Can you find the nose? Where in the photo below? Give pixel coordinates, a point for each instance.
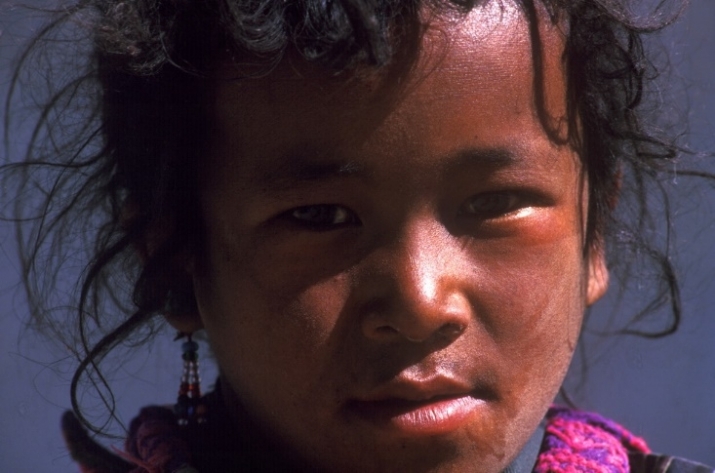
(419, 288)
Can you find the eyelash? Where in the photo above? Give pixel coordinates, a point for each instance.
(323, 216)
(332, 216)
(492, 205)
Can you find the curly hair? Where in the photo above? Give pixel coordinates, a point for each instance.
(110, 168)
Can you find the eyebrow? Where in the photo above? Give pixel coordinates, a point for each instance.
(299, 169)
(487, 157)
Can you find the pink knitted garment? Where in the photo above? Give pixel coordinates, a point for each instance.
(581, 442)
(155, 443)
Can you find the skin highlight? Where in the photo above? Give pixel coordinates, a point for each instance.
(374, 249)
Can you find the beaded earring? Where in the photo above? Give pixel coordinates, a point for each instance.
(190, 408)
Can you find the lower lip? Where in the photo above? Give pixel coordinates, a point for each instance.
(431, 417)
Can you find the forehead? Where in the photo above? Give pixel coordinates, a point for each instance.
(467, 76)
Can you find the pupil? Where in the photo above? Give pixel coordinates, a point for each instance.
(316, 214)
(491, 203)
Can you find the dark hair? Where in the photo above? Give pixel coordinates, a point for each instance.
(113, 153)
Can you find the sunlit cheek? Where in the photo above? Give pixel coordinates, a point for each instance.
(534, 277)
(546, 226)
(537, 337)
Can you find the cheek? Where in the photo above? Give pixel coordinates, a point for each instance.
(537, 280)
(540, 330)
(269, 327)
(530, 298)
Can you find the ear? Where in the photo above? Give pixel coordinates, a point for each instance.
(172, 290)
(597, 274)
(180, 309)
(184, 323)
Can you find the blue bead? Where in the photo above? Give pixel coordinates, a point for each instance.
(190, 356)
(181, 410)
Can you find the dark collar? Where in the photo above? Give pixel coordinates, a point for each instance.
(525, 461)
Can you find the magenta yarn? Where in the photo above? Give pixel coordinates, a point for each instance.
(582, 442)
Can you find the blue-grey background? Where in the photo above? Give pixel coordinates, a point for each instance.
(663, 389)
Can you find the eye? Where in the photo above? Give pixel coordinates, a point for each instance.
(323, 216)
(492, 205)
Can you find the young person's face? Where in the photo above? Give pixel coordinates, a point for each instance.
(394, 276)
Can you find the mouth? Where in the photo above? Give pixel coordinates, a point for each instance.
(434, 416)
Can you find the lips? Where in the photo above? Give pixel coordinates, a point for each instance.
(420, 407)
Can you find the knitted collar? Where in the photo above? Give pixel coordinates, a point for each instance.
(574, 442)
(577, 441)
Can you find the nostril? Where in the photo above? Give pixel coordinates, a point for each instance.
(446, 333)
(414, 339)
(415, 317)
(386, 331)
(451, 331)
